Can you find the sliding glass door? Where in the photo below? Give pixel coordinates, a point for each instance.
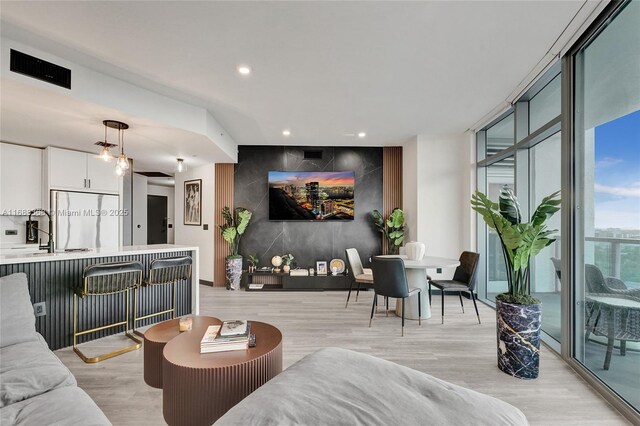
(606, 296)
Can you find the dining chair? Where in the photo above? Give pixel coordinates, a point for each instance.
(464, 280)
(357, 273)
(390, 280)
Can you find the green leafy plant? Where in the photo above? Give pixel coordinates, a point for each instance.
(235, 225)
(253, 259)
(520, 241)
(392, 228)
(287, 259)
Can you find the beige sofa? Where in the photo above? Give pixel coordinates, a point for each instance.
(35, 387)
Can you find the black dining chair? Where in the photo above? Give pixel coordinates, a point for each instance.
(390, 280)
(464, 280)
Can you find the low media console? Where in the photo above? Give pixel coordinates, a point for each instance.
(270, 281)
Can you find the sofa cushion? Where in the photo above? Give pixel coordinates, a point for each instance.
(340, 387)
(29, 369)
(17, 322)
(66, 406)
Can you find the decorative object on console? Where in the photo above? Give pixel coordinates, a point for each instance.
(392, 229)
(276, 261)
(320, 196)
(286, 261)
(517, 312)
(192, 202)
(312, 271)
(253, 262)
(321, 266)
(337, 265)
(232, 230)
(299, 272)
(415, 250)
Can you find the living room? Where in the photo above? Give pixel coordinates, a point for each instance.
(319, 169)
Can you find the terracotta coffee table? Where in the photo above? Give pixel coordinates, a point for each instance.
(156, 337)
(199, 388)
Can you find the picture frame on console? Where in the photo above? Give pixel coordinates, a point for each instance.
(193, 202)
(321, 267)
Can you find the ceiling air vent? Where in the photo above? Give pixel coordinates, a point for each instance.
(42, 70)
(313, 155)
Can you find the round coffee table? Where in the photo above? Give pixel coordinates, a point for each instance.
(199, 388)
(156, 337)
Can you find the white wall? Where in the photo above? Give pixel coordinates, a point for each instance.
(196, 235)
(169, 192)
(139, 209)
(438, 182)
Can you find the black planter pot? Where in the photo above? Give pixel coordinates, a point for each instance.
(518, 329)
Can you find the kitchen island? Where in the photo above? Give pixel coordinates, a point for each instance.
(52, 277)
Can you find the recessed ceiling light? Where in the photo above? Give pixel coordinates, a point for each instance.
(286, 132)
(362, 134)
(244, 69)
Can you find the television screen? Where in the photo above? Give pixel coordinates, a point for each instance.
(311, 195)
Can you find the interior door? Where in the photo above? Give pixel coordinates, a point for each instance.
(157, 219)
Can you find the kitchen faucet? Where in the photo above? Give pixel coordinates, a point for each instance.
(49, 245)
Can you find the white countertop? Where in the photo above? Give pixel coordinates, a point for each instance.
(43, 256)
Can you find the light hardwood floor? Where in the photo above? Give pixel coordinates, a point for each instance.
(460, 351)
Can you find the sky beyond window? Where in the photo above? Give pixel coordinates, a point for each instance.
(323, 178)
(617, 173)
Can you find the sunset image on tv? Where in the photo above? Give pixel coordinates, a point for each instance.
(311, 195)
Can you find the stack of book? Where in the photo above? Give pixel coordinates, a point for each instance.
(231, 336)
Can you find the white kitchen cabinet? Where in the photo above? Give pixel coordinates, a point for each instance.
(79, 171)
(20, 179)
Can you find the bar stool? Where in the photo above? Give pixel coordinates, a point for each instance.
(167, 271)
(103, 280)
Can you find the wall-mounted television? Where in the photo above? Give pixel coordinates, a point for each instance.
(311, 195)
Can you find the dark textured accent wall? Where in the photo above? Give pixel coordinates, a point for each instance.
(308, 241)
(52, 283)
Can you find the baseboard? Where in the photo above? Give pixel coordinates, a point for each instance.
(207, 283)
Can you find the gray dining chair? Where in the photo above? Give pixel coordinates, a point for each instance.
(390, 280)
(464, 280)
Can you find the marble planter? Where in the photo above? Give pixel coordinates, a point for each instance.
(518, 330)
(233, 270)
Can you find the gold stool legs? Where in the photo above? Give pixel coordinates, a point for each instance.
(173, 309)
(108, 355)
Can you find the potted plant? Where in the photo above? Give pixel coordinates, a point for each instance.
(235, 225)
(286, 261)
(392, 228)
(253, 262)
(518, 313)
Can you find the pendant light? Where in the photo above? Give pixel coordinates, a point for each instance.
(122, 163)
(105, 151)
(180, 166)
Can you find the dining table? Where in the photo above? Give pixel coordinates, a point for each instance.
(417, 278)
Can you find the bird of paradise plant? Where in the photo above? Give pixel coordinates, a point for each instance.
(520, 241)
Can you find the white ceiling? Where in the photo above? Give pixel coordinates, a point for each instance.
(321, 69)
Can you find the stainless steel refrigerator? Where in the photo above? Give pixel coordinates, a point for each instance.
(85, 220)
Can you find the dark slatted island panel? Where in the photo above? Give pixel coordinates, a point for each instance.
(52, 282)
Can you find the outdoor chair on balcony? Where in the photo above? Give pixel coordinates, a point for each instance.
(597, 283)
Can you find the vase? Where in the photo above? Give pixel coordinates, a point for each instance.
(415, 250)
(286, 269)
(518, 332)
(233, 272)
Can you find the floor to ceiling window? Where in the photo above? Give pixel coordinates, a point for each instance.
(522, 150)
(607, 245)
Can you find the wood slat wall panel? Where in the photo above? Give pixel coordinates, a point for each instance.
(223, 196)
(391, 182)
(53, 283)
